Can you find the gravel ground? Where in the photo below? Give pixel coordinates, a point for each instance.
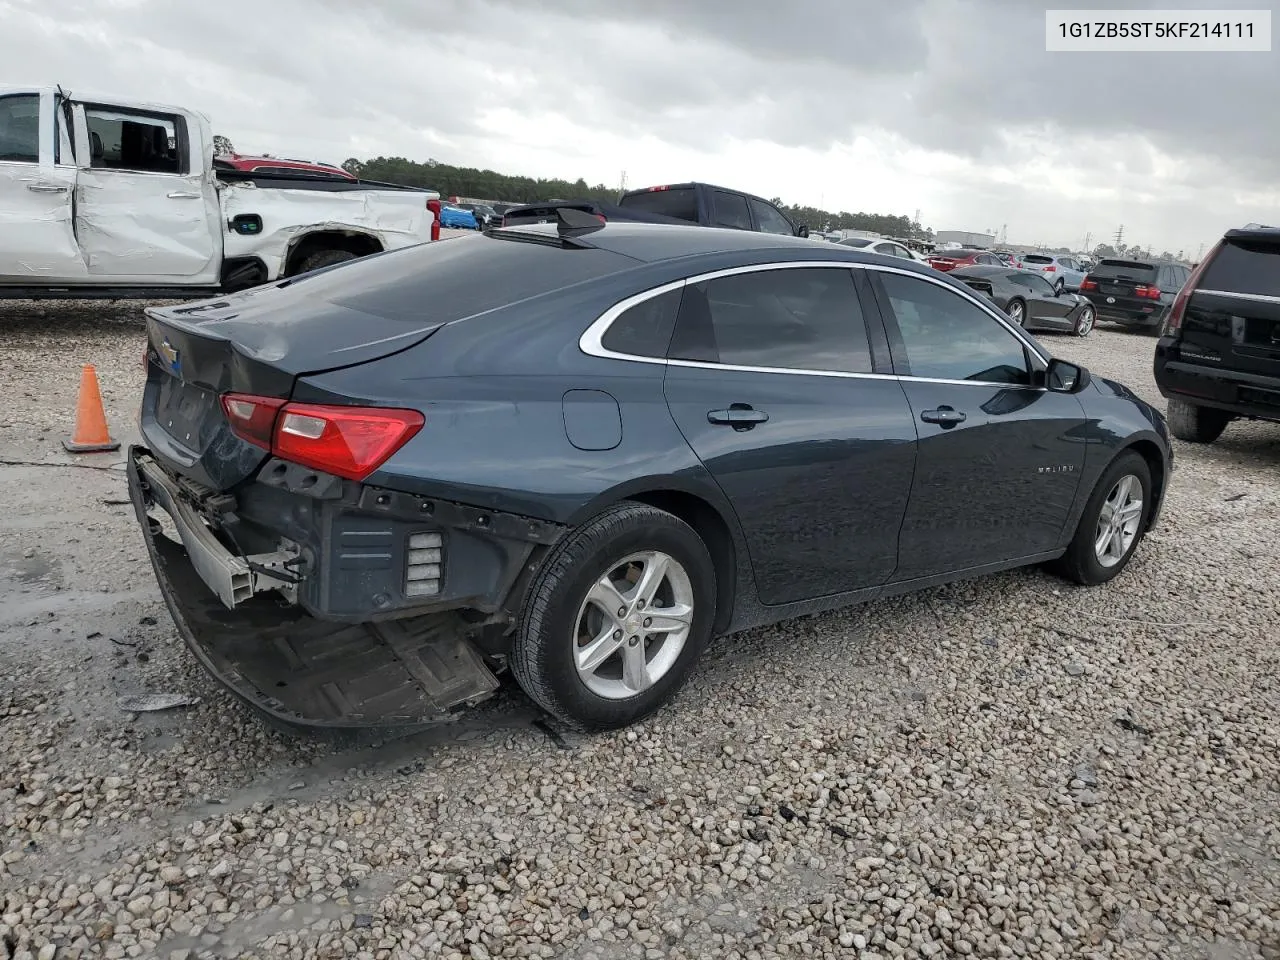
(1006, 767)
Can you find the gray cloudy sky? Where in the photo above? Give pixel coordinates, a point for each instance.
(951, 107)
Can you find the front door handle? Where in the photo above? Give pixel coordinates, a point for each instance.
(37, 187)
(740, 416)
(946, 417)
(183, 195)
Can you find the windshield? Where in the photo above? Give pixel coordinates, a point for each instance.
(1037, 258)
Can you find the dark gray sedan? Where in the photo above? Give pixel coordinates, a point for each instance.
(579, 451)
(1030, 300)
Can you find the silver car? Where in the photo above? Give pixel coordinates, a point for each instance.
(1062, 271)
(886, 247)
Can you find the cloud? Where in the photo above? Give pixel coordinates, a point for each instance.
(951, 106)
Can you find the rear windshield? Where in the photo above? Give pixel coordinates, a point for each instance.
(1245, 267)
(1123, 268)
(681, 203)
(1036, 258)
(855, 242)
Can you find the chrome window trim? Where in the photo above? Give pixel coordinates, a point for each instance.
(1257, 297)
(591, 341)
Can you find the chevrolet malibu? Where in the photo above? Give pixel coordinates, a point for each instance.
(579, 451)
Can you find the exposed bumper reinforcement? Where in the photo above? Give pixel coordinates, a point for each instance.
(307, 672)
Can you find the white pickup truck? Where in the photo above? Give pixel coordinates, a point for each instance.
(102, 197)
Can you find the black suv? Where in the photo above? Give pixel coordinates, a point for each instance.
(1135, 293)
(1219, 355)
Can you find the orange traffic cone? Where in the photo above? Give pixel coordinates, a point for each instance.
(91, 420)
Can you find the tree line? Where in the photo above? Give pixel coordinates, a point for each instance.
(451, 181)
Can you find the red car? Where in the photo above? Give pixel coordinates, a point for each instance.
(276, 165)
(947, 260)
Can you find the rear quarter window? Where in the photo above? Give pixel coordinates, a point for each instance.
(1245, 267)
(645, 329)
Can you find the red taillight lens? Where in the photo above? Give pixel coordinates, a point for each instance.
(1147, 293)
(1088, 284)
(251, 418)
(601, 218)
(1050, 268)
(349, 442)
(1179, 308)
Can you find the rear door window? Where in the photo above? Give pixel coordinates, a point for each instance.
(731, 210)
(679, 202)
(134, 141)
(1245, 267)
(20, 128)
(807, 318)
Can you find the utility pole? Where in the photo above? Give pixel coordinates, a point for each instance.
(1200, 252)
(1087, 238)
(1119, 237)
(1004, 234)
(622, 182)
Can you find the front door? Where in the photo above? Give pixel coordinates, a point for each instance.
(999, 457)
(1044, 306)
(771, 382)
(37, 182)
(146, 208)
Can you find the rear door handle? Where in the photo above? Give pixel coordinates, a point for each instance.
(740, 416)
(38, 187)
(183, 195)
(946, 417)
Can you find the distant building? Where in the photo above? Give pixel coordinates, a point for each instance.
(965, 238)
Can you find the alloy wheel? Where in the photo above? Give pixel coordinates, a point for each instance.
(1118, 521)
(1017, 313)
(633, 624)
(1085, 324)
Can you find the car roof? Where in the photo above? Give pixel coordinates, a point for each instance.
(660, 242)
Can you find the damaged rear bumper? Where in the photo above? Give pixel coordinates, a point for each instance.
(297, 668)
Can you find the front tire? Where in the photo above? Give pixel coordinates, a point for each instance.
(1196, 424)
(614, 621)
(1112, 525)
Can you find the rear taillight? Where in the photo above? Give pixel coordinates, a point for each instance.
(1179, 308)
(434, 207)
(349, 442)
(1050, 268)
(1088, 283)
(251, 418)
(1147, 292)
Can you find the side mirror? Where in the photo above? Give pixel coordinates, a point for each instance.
(802, 230)
(1064, 377)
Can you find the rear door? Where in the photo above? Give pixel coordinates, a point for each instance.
(769, 219)
(1234, 313)
(146, 211)
(999, 458)
(783, 391)
(37, 184)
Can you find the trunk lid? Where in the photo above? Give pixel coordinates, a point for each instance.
(1121, 278)
(1232, 318)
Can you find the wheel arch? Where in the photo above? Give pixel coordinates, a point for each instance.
(1149, 450)
(709, 517)
(360, 242)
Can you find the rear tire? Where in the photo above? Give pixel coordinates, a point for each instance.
(1060, 286)
(1196, 424)
(1017, 310)
(564, 616)
(324, 258)
(1085, 322)
(1083, 562)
